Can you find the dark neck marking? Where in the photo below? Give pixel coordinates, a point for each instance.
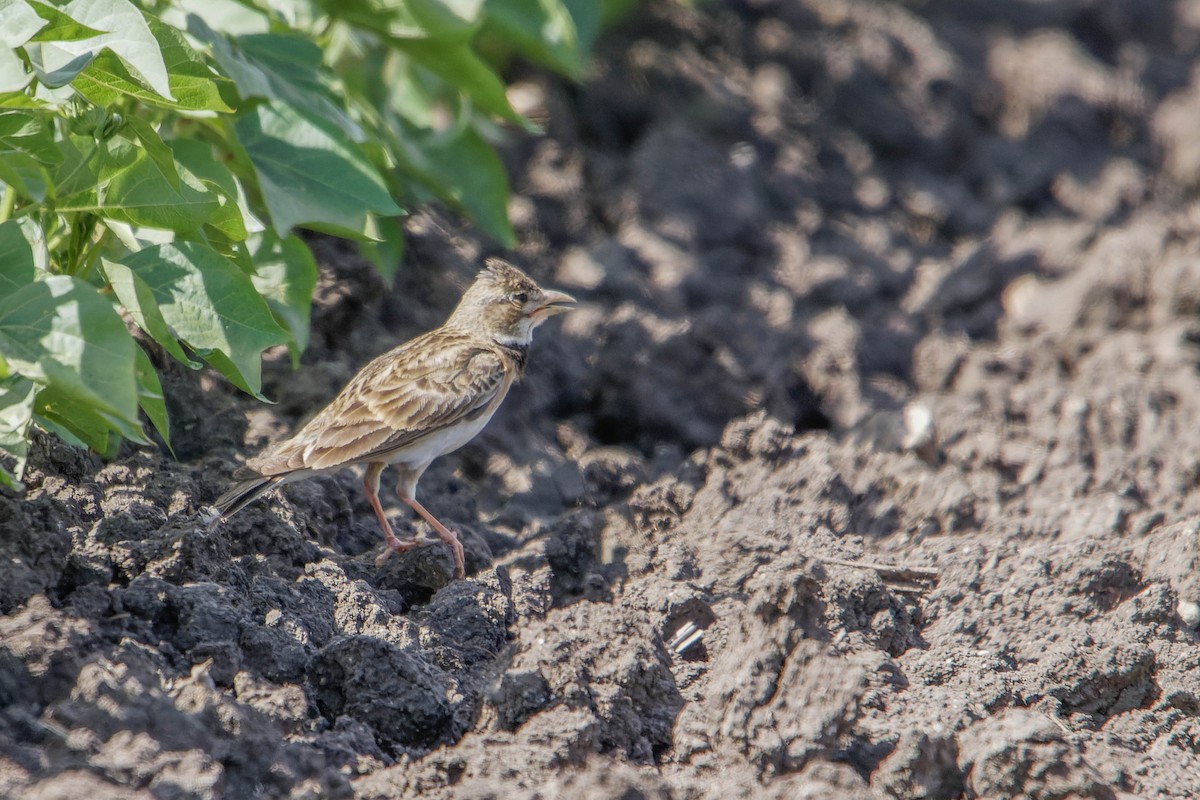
(519, 352)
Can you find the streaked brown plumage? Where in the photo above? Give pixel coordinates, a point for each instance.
(421, 400)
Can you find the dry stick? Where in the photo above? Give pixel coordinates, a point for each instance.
(914, 578)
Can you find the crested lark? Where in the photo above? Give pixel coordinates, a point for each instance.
(421, 400)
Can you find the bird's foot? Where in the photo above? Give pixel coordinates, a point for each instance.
(395, 545)
(460, 558)
(456, 550)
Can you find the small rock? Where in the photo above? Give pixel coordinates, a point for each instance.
(911, 429)
(1189, 612)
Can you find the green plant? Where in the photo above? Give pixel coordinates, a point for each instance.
(156, 161)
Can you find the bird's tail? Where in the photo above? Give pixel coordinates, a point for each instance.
(242, 493)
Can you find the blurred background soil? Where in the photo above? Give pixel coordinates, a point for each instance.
(910, 285)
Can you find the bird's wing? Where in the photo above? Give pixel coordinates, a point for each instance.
(422, 387)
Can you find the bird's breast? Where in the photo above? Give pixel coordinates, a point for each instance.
(447, 440)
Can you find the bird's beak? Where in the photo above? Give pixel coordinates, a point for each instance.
(552, 303)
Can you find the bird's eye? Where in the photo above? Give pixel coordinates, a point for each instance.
(520, 297)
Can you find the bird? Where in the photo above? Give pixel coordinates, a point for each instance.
(416, 402)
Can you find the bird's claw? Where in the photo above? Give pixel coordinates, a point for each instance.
(395, 545)
(459, 555)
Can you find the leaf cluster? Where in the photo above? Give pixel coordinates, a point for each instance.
(158, 158)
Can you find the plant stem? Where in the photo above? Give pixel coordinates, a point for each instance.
(93, 251)
(8, 203)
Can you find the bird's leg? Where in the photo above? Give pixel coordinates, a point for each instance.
(394, 543)
(448, 536)
(407, 489)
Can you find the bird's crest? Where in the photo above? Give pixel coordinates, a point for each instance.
(500, 273)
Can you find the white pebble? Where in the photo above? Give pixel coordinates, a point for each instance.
(1189, 612)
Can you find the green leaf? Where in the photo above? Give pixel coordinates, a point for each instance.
(588, 17)
(127, 186)
(27, 177)
(286, 275)
(282, 67)
(35, 234)
(212, 306)
(62, 27)
(20, 100)
(388, 17)
(127, 36)
(192, 85)
(448, 21)
(197, 158)
(150, 396)
(226, 16)
(385, 246)
(408, 89)
(309, 173)
(16, 412)
(462, 68)
(61, 333)
(237, 252)
(53, 68)
(140, 302)
(541, 30)
(25, 132)
(27, 151)
(76, 172)
(16, 258)
(13, 75)
(79, 423)
(297, 14)
(134, 190)
(464, 171)
(143, 132)
(18, 23)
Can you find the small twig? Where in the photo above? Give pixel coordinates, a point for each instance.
(1062, 725)
(914, 573)
(685, 637)
(906, 588)
(911, 580)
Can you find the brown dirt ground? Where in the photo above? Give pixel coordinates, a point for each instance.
(907, 284)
